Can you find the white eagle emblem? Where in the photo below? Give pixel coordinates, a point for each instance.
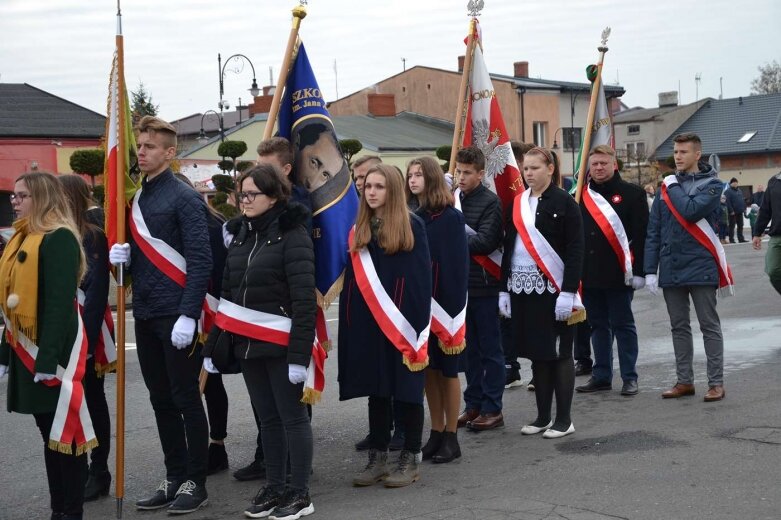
(497, 157)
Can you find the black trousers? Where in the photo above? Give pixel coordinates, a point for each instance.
(736, 221)
(66, 474)
(284, 421)
(509, 347)
(408, 415)
(171, 376)
(583, 344)
(216, 407)
(101, 420)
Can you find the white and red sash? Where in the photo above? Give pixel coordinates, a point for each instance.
(611, 226)
(263, 326)
(393, 324)
(72, 422)
(546, 258)
(451, 330)
(106, 350)
(704, 234)
(491, 263)
(168, 260)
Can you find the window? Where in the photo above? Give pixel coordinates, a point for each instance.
(633, 129)
(747, 136)
(539, 133)
(640, 150)
(572, 138)
(630, 150)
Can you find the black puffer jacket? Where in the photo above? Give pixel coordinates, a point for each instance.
(271, 268)
(483, 213)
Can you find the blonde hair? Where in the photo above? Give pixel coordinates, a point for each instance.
(395, 234)
(152, 125)
(50, 209)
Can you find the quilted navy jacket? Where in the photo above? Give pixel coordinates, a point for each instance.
(176, 214)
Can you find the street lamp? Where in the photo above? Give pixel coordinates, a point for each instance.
(202, 133)
(555, 144)
(239, 59)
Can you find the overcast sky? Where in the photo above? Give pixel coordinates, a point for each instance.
(65, 46)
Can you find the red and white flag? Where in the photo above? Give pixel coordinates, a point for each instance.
(484, 128)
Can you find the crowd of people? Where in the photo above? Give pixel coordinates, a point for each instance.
(420, 304)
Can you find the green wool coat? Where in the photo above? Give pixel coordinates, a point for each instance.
(57, 325)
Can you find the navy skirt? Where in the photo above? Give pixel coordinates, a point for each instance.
(448, 364)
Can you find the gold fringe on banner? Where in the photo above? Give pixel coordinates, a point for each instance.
(102, 370)
(324, 301)
(327, 346)
(67, 449)
(455, 349)
(311, 396)
(577, 317)
(415, 367)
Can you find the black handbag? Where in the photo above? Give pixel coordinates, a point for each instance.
(223, 357)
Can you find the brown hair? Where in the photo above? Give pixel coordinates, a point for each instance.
(395, 234)
(216, 214)
(520, 149)
(364, 159)
(436, 195)
(471, 155)
(269, 180)
(78, 196)
(49, 208)
(280, 147)
(603, 148)
(549, 158)
(152, 125)
(689, 138)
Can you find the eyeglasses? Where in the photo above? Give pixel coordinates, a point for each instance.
(20, 197)
(249, 196)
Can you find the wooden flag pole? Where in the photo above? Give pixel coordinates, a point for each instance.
(299, 13)
(462, 90)
(120, 329)
(592, 108)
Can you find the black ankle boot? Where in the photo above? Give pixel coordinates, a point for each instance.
(218, 458)
(449, 450)
(432, 445)
(98, 485)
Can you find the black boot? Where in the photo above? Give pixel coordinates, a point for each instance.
(98, 485)
(449, 450)
(218, 458)
(432, 445)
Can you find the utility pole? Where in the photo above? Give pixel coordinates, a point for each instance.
(721, 87)
(404, 63)
(697, 79)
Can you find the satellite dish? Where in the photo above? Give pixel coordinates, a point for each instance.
(715, 162)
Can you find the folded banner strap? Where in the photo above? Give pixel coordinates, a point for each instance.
(611, 226)
(168, 261)
(72, 422)
(263, 326)
(704, 234)
(393, 324)
(106, 350)
(450, 330)
(546, 258)
(491, 263)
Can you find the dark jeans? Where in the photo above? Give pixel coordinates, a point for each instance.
(509, 347)
(101, 420)
(609, 313)
(736, 220)
(216, 407)
(582, 349)
(285, 427)
(485, 362)
(171, 376)
(66, 474)
(408, 415)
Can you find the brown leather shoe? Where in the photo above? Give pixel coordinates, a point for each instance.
(487, 421)
(715, 393)
(466, 416)
(679, 390)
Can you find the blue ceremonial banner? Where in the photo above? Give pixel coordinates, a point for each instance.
(321, 169)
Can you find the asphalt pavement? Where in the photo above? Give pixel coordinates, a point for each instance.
(631, 458)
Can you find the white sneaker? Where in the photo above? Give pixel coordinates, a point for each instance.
(532, 430)
(555, 434)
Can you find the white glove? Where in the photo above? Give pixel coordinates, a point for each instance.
(652, 283)
(504, 304)
(296, 374)
(638, 282)
(119, 254)
(42, 377)
(227, 237)
(182, 334)
(209, 366)
(670, 180)
(3, 370)
(564, 304)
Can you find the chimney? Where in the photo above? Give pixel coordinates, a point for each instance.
(262, 104)
(381, 105)
(521, 69)
(461, 63)
(668, 99)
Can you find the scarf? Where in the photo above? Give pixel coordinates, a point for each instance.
(19, 273)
